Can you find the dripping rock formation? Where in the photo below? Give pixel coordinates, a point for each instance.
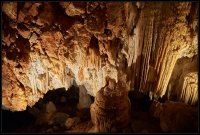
(149, 47)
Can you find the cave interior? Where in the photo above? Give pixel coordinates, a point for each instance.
(100, 67)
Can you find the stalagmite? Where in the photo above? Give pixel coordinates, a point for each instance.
(189, 93)
(111, 110)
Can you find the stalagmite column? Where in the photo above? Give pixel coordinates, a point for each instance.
(189, 93)
(111, 110)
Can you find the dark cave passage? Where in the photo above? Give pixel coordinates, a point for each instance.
(58, 112)
(59, 103)
(63, 105)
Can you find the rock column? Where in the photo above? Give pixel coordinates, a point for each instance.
(110, 111)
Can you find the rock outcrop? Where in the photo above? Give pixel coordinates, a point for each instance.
(176, 117)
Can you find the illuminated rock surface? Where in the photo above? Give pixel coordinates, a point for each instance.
(138, 45)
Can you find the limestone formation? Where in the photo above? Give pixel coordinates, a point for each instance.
(111, 110)
(183, 84)
(47, 46)
(84, 98)
(176, 117)
(189, 92)
(70, 122)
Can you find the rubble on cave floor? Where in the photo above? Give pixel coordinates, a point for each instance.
(58, 112)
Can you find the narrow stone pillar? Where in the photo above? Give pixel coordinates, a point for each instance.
(84, 98)
(110, 111)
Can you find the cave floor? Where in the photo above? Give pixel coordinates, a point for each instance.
(142, 122)
(27, 122)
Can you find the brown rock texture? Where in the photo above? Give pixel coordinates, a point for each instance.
(189, 92)
(183, 84)
(176, 117)
(111, 110)
(48, 45)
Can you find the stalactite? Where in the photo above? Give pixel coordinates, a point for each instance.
(47, 80)
(140, 42)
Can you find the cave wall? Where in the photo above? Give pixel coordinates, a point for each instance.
(183, 84)
(48, 45)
